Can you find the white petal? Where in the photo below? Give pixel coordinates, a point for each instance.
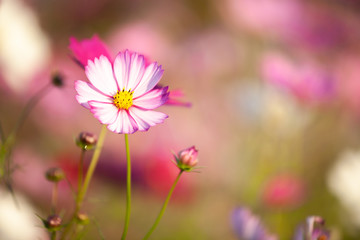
(151, 77)
(146, 118)
(137, 69)
(121, 69)
(106, 113)
(124, 123)
(100, 74)
(87, 92)
(152, 99)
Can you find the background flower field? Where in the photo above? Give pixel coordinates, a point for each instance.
(274, 87)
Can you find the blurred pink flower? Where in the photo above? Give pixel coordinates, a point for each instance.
(308, 82)
(160, 173)
(348, 74)
(121, 94)
(88, 49)
(141, 36)
(304, 24)
(284, 191)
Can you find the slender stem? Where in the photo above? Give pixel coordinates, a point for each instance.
(29, 106)
(54, 197)
(161, 213)
(53, 235)
(2, 136)
(91, 169)
(82, 191)
(81, 169)
(7, 143)
(128, 189)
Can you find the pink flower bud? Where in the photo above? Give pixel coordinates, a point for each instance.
(187, 158)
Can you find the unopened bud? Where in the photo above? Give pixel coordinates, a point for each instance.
(53, 222)
(82, 218)
(57, 79)
(55, 174)
(187, 158)
(86, 141)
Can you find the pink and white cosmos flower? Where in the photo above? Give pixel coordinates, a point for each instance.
(122, 94)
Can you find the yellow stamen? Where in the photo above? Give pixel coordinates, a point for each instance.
(123, 99)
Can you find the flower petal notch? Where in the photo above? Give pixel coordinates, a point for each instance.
(122, 94)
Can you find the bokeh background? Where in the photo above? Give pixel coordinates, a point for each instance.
(275, 93)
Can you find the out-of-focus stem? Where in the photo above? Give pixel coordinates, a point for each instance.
(81, 169)
(54, 197)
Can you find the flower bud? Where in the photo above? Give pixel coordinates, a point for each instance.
(82, 218)
(57, 79)
(55, 174)
(86, 141)
(187, 159)
(53, 222)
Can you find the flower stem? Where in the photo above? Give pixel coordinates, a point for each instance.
(54, 198)
(82, 191)
(128, 189)
(161, 213)
(90, 171)
(81, 169)
(8, 142)
(53, 235)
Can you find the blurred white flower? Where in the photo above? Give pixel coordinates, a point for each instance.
(275, 111)
(343, 181)
(18, 222)
(24, 48)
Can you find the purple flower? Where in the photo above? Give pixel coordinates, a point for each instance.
(248, 226)
(312, 229)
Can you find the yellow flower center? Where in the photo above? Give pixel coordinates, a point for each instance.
(123, 99)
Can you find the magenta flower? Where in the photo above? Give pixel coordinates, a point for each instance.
(121, 94)
(88, 49)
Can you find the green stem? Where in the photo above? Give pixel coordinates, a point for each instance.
(82, 191)
(53, 235)
(54, 197)
(29, 106)
(128, 189)
(7, 143)
(81, 169)
(91, 169)
(161, 213)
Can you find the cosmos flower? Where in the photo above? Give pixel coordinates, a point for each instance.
(89, 49)
(121, 94)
